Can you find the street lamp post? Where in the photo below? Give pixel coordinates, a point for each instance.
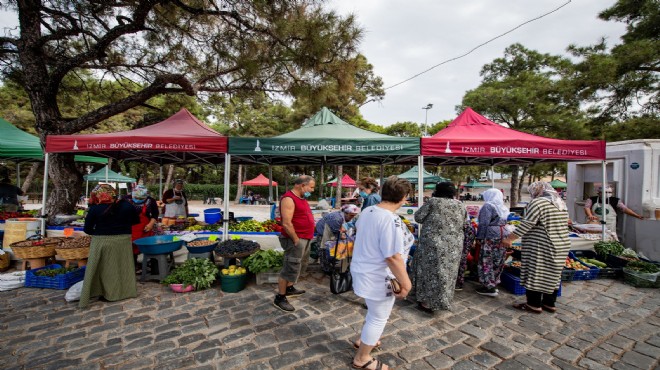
(426, 108)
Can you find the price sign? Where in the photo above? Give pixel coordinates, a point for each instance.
(213, 238)
(81, 212)
(235, 237)
(175, 239)
(68, 232)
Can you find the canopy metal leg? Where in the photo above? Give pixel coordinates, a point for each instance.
(225, 212)
(43, 196)
(420, 181)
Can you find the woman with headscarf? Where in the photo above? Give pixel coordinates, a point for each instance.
(545, 245)
(329, 227)
(147, 208)
(368, 188)
(490, 233)
(437, 257)
(109, 272)
(176, 203)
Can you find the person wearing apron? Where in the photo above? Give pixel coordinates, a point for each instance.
(148, 211)
(176, 203)
(593, 208)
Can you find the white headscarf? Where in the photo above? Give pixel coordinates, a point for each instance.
(495, 198)
(544, 189)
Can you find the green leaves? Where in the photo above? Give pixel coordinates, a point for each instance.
(198, 272)
(604, 248)
(264, 260)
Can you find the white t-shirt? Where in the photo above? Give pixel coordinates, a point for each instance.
(380, 234)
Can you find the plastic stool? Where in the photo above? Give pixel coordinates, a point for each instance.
(208, 255)
(163, 265)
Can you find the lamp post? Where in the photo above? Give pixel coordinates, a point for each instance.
(426, 117)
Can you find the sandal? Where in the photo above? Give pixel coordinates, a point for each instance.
(379, 365)
(526, 307)
(549, 308)
(377, 347)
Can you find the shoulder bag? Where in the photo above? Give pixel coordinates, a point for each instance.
(340, 277)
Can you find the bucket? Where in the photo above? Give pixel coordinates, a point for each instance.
(212, 215)
(19, 229)
(233, 284)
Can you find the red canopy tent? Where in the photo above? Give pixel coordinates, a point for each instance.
(473, 139)
(346, 182)
(260, 180)
(181, 138)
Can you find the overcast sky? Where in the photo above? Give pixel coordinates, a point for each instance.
(403, 38)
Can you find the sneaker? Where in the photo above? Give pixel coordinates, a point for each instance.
(491, 292)
(282, 303)
(293, 292)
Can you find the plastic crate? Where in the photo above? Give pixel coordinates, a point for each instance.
(270, 277)
(512, 284)
(641, 280)
(616, 261)
(63, 281)
(611, 273)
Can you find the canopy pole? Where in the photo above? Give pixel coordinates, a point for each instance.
(270, 183)
(382, 172)
(420, 181)
(106, 172)
(43, 196)
(321, 183)
(87, 189)
(18, 174)
(160, 181)
(225, 213)
(492, 175)
(603, 196)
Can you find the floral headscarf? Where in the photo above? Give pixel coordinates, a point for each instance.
(103, 194)
(544, 189)
(350, 208)
(495, 198)
(140, 192)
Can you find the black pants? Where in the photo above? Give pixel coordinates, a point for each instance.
(536, 299)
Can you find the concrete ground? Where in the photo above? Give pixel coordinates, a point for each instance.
(599, 324)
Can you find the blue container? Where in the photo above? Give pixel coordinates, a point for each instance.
(193, 214)
(205, 249)
(62, 281)
(241, 219)
(512, 284)
(212, 215)
(161, 244)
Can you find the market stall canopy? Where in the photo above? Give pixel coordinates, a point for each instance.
(325, 139)
(428, 178)
(475, 184)
(346, 182)
(472, 139)
(558, 184)
(18, 145)
(260, 180)
(181, 138)
(112, 176)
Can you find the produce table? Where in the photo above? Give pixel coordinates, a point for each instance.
(266, 240)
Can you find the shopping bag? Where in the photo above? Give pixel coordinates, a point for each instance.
(341, 280)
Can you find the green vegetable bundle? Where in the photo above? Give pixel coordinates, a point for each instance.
(604, 248)
(643, 267)
(264, 260)
(198, 272)
(55, 272)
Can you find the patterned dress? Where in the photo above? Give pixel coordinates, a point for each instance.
(545, 245)
(438, 254)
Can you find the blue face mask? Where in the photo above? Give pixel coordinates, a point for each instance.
(138, 201)
(363, 194)
(307, 194)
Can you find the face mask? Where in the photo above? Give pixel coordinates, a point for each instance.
(307, 194)
(363, 194)
(138, 201)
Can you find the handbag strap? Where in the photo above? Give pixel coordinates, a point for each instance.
(337, 244)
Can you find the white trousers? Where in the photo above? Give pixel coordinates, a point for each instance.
(374, 323)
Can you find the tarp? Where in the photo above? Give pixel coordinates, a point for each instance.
(16, 144)
(181, 138)
(473, 139)
(475, 184)
(260, 180)
(412, 175)
(346, 182)
(558, 184)
(113, 176)
(325, 138)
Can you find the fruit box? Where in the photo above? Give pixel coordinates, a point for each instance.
(269, 277)
(62, 281)
(512, 284)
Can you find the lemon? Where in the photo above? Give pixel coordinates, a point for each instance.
(225, 271)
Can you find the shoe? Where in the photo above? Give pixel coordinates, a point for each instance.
(422, 308)
(282, 303)
(293, 292)
(490, 292)
(458, 288)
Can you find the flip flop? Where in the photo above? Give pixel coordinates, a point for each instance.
(549, 308)
(526, 307)
(377, 347)
(379, 365)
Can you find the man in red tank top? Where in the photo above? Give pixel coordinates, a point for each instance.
(298, 231)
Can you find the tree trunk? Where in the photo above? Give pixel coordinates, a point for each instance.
(169, 178)
(340, 174)
(357, 173)
(67, 185)
(30, 177)
(320, 183)
(239, 187)
(520, 185)
(513, 193)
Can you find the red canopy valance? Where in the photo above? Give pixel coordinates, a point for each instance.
(260, 180)
(346, 182)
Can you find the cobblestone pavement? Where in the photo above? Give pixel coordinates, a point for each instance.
(600, 324)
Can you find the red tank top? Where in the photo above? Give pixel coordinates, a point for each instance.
(302, 220)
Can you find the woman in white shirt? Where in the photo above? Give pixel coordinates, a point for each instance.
(381, 250)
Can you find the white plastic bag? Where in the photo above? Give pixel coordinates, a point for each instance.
(12, 280)
(73, 294)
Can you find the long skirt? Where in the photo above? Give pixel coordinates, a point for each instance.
(109, 272)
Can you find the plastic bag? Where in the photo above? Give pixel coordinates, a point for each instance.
(12, 280)
(73, 294)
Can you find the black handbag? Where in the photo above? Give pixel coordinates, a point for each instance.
(341, 280)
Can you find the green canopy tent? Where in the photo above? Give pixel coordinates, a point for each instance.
(558, 184)
(475, 184)
(106, 175)
(412, 175)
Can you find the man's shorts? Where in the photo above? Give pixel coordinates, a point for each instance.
(294, 256)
